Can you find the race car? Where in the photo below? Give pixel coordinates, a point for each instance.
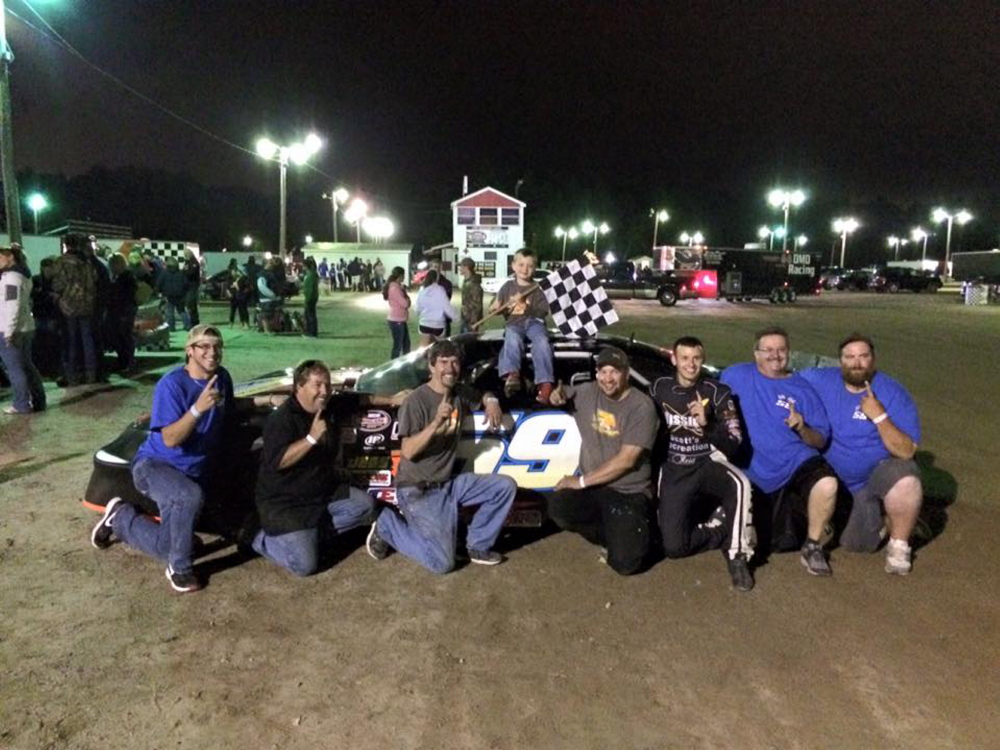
(537, 445)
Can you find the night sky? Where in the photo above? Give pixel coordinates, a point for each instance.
(602, 109)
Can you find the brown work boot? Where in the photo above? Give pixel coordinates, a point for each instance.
(544, 393)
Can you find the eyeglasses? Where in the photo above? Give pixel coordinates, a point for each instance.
(207, 347)
(769, 352)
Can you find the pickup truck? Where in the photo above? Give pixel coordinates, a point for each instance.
(623, 281)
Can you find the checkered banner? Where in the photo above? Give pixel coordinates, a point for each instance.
(578, 302)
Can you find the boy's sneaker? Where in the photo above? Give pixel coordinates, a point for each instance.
(377, 547)
(898, 557)
(485, 557)
(183, 582)
(544, 393)
(103, 534)
(739, 572)
(512, 385)
(814, 559)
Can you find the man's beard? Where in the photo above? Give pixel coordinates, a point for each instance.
(857, 377)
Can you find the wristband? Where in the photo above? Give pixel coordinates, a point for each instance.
(193, 411)
(583, 484)
(881, 418)
(311, 440)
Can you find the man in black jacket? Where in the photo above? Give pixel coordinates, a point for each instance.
(120, 313)
(704, 500)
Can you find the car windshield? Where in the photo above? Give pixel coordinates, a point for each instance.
(398, 374)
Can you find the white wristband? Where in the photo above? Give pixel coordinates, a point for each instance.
(311, 440)
(881, 418)
(193, 411)
(583, 484)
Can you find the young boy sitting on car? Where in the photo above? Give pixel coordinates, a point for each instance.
(525, 309)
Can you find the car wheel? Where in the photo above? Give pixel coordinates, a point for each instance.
(932, 288)
(667, 297)
(775, 296)
(791, 295)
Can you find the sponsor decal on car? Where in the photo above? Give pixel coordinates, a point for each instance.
(373, 440)
(375, 421)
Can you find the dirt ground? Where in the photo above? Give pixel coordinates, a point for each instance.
(551, 649)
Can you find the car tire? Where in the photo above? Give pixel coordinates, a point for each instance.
(791, 295)
(933, 288)
(775, 296)
(667, 296)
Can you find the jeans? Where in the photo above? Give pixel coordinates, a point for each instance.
(172, 309)
(608, 518)
(179, 499)
(312, 324)
(512, 353)
(400, 338)
(426, 526)
(298, 551)
(80, 333)
(25, 382)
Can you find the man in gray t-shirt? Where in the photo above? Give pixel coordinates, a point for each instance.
(427, 495)
(608, 503)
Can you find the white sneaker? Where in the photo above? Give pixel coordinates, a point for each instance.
(897, 557)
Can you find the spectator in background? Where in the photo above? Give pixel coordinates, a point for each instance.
(192, 273)
(75, 285)
(239, 294)
(472, 295)
(353, 272)
(48, 319)
(433, 310)
(310, 295)
(17, 328)
(98, 323)
(120, 316)
(399, 312)
(378, 273)
(253, 272)
(323, 269)
(366, 277)
(172, 285)
(449, 289)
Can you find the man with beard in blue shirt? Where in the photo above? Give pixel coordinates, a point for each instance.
(875, 431)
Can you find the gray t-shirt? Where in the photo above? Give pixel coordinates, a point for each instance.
(532, 306)
(606, 425)
(436, 461)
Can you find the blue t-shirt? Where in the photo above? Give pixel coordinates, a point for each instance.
(776, 451)
(175, 394)
(856, 448)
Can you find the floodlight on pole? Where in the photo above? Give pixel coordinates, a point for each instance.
(692, 239)
(895, 242)
(962, 217)
(37, 204)
(247, 241)
(379, 228)
(355, 214)
(785, 199)
(589, 227)
(800, 241)
(659, 217)
(337, 198)
(309, 239)
(844, 227)
(297, 153)
(917, 234)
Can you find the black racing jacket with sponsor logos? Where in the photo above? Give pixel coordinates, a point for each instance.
(688, 442)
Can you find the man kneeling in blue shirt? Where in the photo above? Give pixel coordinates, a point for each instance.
(875, 431)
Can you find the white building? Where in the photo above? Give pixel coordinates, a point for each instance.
(487, 226)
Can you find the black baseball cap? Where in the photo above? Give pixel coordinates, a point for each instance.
(613, 356)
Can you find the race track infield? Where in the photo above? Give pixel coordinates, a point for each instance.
(549, 650)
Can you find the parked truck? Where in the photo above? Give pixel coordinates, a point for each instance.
(622, 280)
(982, 266)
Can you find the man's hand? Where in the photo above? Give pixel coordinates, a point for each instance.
(794, 420)
(444, 410)
(697, 409)
(568, 482)
(208, 397)
(870, 405)
(318, 427)
(558, 395)
(494, 414)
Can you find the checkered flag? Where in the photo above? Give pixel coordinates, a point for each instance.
(578, 302)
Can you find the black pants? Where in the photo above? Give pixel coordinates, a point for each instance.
(312, 324)
(688, 497)
(121, 327)
(611, 519)
(238, 304)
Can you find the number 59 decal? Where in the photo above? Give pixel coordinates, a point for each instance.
(536, 449)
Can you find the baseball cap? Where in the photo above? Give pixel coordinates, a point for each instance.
(203, 332)
(612, 355)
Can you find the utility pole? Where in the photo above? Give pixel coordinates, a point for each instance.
(12, 200)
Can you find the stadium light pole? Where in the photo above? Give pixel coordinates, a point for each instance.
(800, 241)
(765, 233)
(355, 214)
(692, 239)
(336, 198)
(962, 217)
(919, 235)
(379, 228)
(566, 234)
(659, 217)
(37, 203)
(785, 199)
(894, 242)
(844, 227)
(12, 200)
(588, 226)
(297, 153)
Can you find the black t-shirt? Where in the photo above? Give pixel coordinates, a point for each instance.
(295, 498)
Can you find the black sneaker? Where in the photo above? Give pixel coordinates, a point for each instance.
(512, 386)
(377, 547)
(739, 572)
(103, 534)
(814, 559)
(485, 557)
(183, 582)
